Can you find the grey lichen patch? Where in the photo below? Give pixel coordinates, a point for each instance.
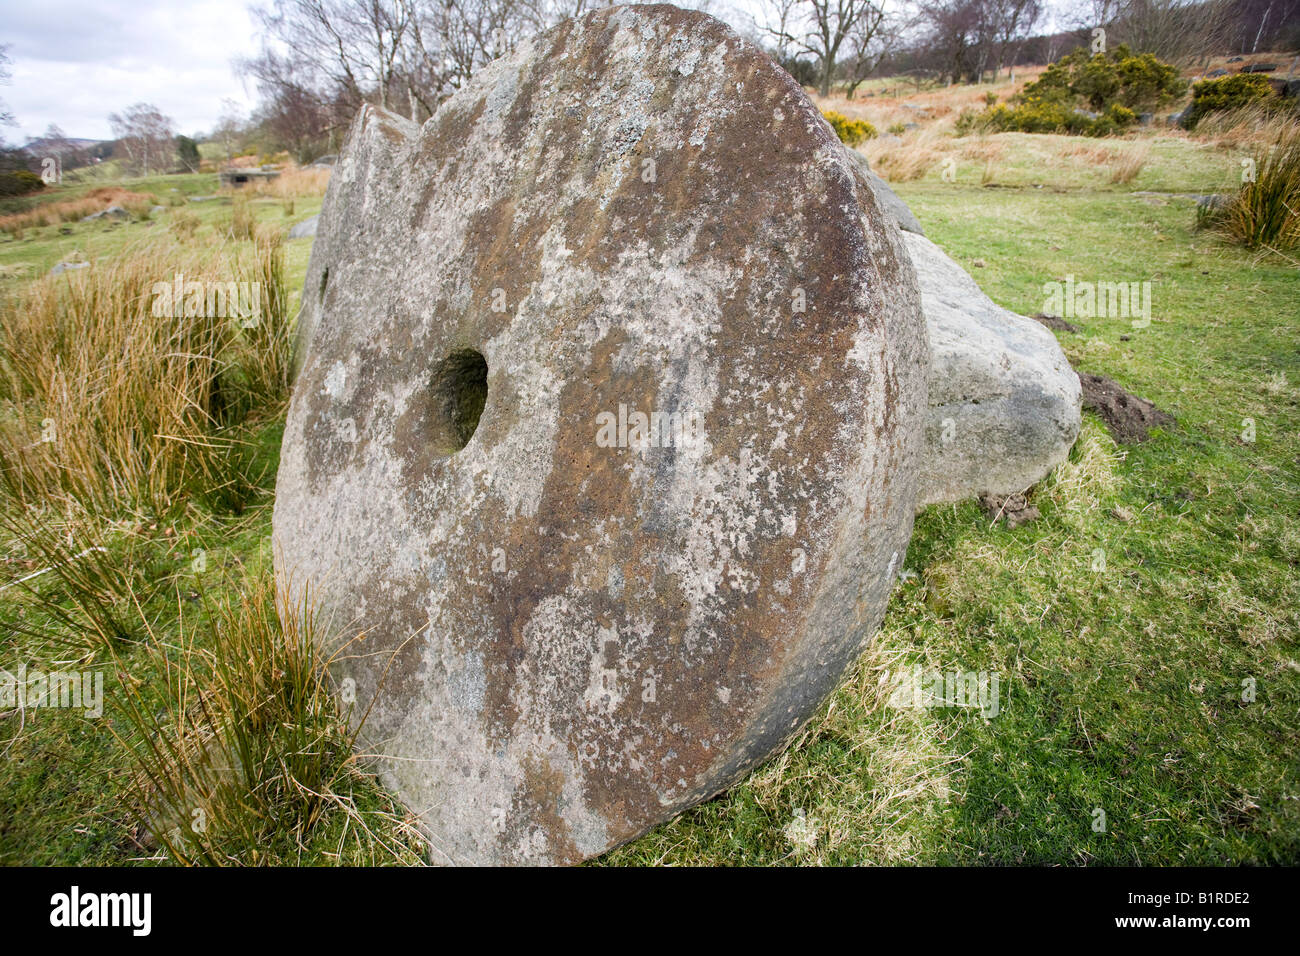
(581, 615)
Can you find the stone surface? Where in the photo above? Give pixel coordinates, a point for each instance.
(894, 208)
(565, 642)
(112, 212)
(1004, 402)
(305, 228)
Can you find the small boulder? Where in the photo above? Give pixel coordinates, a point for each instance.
(63, 267)
(305, 228)
(116, 213)
(1004, 402)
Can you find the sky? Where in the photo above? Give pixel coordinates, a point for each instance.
(75, 61)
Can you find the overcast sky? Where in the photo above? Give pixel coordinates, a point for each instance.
(76, 61)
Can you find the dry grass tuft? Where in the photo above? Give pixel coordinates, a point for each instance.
(104, 402)
(907, 160)
(295, 183)
(1125, 166)
(254, 752)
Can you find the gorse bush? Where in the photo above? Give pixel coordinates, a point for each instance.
(850, 131)
(1100, 79)
(20, 182)
(1084, 95)
(1229, 93)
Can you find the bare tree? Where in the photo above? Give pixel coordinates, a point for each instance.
(954, 30)
(870, 42)
(146, 136)
(1010, 24)
(821, 28)
(6, 117)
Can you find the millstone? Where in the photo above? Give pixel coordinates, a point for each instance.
(602, 456)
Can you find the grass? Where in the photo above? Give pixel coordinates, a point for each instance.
(1265, 212)
(1159, 687)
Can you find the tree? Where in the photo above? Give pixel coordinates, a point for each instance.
(869, 43)
(953, 30)
(6, 117)
(146, 138)
(229, 127)
(821, 28)
(188, 151)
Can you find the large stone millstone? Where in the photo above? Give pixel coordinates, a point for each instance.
(570, 637)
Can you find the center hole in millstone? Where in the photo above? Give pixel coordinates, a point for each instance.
(459, 393)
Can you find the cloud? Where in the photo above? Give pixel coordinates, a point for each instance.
(90, 59)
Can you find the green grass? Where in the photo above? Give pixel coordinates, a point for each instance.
(42, 248)
(1121, 689)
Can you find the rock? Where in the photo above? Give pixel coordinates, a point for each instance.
(305, 228)
(895, 208)
(324, 161)
(1208, 207)
(155, 210)
(112, 212)
(63, 267)
(1260, 68)
(1128, 418)
(1146, 119)
(1004, 402)
(566, 642)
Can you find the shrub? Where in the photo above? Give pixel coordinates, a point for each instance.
(20, 182)
(850, 131)
(1069, 94)
(1230, 93)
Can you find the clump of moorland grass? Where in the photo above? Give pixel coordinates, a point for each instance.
(1124, 168)
(243, 222)
(253, 754)
(1265, 211)
(107, 403)
(296, 183)
(1246, 127)
(184, 225)
(56, 212)
(121, 403)
(911, 159)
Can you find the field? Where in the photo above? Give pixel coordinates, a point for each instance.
(1148, 706)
